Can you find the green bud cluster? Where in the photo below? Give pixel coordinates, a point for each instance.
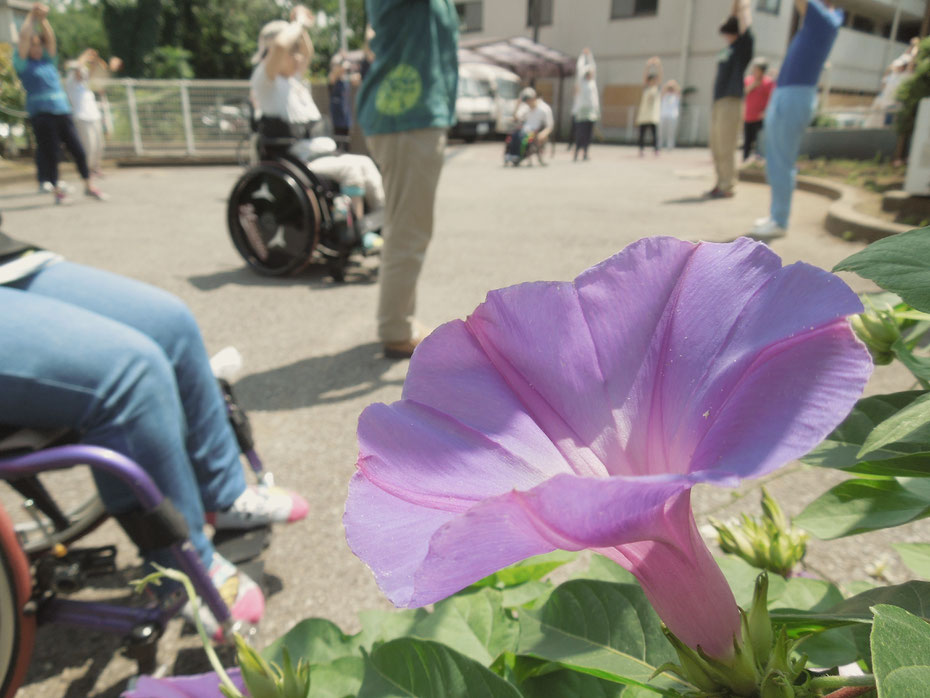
(886, 322)
(762, 664)
(771, 543)
(264, 679)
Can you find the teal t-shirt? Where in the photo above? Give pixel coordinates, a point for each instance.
(412, 82)
(44, 93)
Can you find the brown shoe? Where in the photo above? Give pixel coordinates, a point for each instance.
(400, 350)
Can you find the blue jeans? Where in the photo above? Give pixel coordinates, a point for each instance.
(122, 363)
(788, 115)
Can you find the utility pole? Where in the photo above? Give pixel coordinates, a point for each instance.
(925, 26)
(343, 42)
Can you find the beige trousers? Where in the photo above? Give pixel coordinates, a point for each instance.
(410, 163)
(726, 123)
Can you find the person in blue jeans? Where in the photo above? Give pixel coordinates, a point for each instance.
(47, 103)
(791, 109)
(123, 364)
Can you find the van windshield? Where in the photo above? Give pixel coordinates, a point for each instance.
(507, 89)
(469, 87)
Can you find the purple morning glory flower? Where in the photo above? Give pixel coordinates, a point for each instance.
(580, 415)
(198, 686)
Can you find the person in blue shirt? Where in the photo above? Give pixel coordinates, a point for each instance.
(405, 105)
(792, 107)
(47, 103)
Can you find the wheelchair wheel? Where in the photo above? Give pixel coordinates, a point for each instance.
(17, 631)
(271, 220)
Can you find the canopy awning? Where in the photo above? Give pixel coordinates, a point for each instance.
(520, 54)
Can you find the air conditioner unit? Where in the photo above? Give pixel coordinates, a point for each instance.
(918, 164)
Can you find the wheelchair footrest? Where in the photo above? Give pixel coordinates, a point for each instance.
(238, 546)
(68, 573)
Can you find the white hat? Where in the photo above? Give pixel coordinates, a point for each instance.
(266, 36)
(527, 93)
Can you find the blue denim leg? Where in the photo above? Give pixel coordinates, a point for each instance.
(787, 117)
(123, 363)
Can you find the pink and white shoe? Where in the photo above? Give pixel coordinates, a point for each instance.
(260, 505)
(242, 595)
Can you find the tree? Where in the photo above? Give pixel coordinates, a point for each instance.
(79, 26)
(132, 27)
(913, 90)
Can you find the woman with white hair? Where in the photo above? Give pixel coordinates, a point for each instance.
(284, 103)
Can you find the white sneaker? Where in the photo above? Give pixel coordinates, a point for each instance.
(260, 505)
(759, 222)
(768, 230)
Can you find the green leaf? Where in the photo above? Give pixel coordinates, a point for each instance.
(531, 569)
(910, 424)
(916, 557)
(473, 623)
(912, 596)
(571, 684)
(918, 365)
(841, 448)
(741, 576)
(857, 506)
(409, 667)
(530, 594)
(315, 640)
(380, 626)
(900, 263)
(604, 629)
(809, 594)
(900, 653)
(830, 648)
(605, 570)
(338, 679)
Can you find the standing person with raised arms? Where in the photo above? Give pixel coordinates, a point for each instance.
(35, 62)
(727, 111)
(792, 108)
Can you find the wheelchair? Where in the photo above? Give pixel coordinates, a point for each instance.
(40, 569)
(282, 217)
(528, 150)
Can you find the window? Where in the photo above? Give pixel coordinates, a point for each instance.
(862, 24)
(470, 15)
(621, 9)
(770, 6)
(544, 7)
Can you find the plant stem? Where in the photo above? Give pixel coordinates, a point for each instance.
(204, 639)
(832, 683)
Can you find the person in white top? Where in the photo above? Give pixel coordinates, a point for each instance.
(284, 53)
(588, 112)
(584, 64)
(535, 119)
(669, 110)
(647, 118)
(87, 116)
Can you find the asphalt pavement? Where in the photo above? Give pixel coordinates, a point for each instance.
(312, 362)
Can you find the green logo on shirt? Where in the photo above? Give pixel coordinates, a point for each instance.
(399, 91)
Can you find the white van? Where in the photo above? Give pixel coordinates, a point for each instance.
(488, 94)
(474, 104)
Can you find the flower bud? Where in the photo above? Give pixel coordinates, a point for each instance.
(761, 636)
(878, 331)
(776, 685)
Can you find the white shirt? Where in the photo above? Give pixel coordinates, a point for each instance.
(535, 119)
(284, 98)
(82, 99)
(670, 105)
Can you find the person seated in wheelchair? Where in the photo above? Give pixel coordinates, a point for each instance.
(285, 106)
(535, 121)
(123, 365)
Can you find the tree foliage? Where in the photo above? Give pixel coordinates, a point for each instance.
(914, 89)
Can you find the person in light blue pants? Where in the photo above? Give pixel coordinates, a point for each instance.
(792, 107)
(786, 118)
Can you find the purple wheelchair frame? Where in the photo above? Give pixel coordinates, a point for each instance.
(141, 627)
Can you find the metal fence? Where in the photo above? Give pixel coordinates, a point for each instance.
(174, 117)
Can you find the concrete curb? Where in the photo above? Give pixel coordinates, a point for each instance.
(842, 219)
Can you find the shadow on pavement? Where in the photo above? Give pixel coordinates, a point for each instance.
(315, 276)
(317, 380)
(688, 200)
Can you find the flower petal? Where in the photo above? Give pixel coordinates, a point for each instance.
(421, 555)
(682, 582)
